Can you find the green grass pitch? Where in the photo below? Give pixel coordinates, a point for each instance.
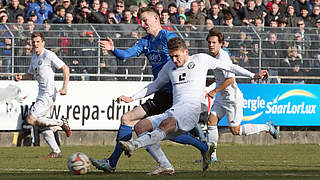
(247, 162)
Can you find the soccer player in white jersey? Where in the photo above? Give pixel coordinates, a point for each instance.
(187, 75)
(42, 67)
(228, 98)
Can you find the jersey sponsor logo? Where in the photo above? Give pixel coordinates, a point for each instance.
(182, 77)
(40, 62)
(191, 65)
(160, 48)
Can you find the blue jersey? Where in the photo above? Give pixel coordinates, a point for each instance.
(156, 51)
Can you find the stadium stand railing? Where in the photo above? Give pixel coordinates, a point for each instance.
(77, 45)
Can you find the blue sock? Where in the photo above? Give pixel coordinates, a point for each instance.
(124, 134)
(188, 139)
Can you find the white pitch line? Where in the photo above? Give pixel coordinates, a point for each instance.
(34, 170)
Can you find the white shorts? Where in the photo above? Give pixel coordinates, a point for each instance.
(187, 116)
(41, 107)
(233, 111)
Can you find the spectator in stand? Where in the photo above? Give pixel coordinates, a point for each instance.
(59, 16)
(202, 7)
(108, 65)
(134, 11)
(42, 9)
(172, 8)
(195, 16)
(21, 63)
(291, 16)
(185, 3)
(165, 19)
(314, 3)
(20, 38)
(299, 4)
(283, 36)
(274, 14)
(153, 3)
(292, 66)
(51, 36)
(273, 25)
(76, 69)
(112, 19)
(119, 9)
(71, 35)
(159, 8)
(270, 56)
(215, 15)
(316, 66)
(302, 46)
(253, 57)
(78, 8)
(31, 27)
(304, 14)
(67, 5)
(261, 8)
(315, 15)
(90, 16)
(5, 42)
(33, 17)
(315, 39)
(250, 11)
(280, 3)
(13, 9)
(89, 55)
(237, 12)
(303, 31)
(104, 8)
(128, 24)
(142, 4)
(230, 31)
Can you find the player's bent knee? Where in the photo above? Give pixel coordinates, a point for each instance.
(143, 126)
(125, 119)
(31, 120)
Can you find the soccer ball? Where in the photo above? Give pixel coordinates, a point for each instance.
(79, 163)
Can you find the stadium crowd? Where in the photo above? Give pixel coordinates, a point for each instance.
(287, 30)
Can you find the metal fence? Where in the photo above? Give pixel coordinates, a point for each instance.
(291, 55)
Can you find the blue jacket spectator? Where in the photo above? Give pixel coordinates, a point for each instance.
(42, 9)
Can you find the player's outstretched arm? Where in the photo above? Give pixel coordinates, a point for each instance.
(263, 74)
(107, 44)
(18, 77)
(125, 99)
(66, 75)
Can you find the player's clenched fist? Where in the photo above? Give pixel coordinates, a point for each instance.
(18, 77)
(125, 99)
(264, 74)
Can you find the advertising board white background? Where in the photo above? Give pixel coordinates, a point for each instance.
(88, 105)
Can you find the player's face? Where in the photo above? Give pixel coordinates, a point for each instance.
(214, 45)
(148, 22)
(179, 57)
(38, 45)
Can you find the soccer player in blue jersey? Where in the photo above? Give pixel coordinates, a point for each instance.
(154, 46)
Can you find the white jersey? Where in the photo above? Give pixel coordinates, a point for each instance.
(232, 92)
(188, 84)
(43, 68)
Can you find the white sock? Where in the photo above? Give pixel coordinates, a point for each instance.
(159, 155)
(49, 137)
(46, 122)
(149, 138)
(249, 129)
(212, 138)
